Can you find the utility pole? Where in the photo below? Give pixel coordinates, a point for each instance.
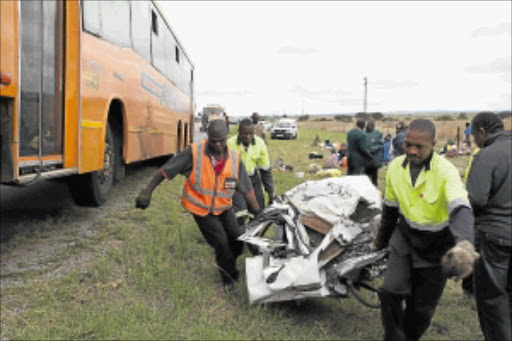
(365, 93)
(302, 106)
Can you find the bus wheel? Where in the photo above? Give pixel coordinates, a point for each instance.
(93, 189)
(119, 166)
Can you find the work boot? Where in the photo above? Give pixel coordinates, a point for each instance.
(230, 287)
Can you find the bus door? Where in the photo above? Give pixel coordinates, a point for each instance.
(41, 85)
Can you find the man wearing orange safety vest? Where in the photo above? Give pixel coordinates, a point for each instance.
(214, 172)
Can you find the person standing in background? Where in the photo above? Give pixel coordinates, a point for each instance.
(386, 149)
(258, 129)
(358, 156)
(398, 141)
(374, 143)
(490, 194)
(467, 134)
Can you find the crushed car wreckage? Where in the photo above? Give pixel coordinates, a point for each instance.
(320, 245)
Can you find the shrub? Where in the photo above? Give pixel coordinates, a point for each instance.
(303, 118)
(444, 118)
(363, 116)
(462, 116)
(377, 115)
(343, 118)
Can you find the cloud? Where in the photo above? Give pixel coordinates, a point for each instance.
(224, 93)
(391, 84)
(501, 65)
(297, 50)
(501, 28)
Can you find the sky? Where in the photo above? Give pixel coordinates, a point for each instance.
(311, 57)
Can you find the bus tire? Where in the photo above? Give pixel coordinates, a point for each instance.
(119, 166)
(93, 189)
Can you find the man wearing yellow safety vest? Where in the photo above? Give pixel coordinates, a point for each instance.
(214, 172)
(254, 154)
(428, 223)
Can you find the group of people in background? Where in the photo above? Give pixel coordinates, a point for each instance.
(368, 150)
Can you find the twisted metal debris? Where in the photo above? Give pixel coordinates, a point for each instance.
(315, 241)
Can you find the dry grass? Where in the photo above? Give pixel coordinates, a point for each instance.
(445, 129)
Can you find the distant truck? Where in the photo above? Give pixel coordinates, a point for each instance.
(212, 112)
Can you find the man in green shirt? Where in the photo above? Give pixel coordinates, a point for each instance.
(254, 154)
(358, 155)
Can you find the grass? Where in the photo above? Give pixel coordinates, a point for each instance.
(154, 277)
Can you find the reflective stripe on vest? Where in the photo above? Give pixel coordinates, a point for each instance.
(200, 196)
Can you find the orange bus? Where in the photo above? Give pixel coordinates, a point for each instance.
(88, 87)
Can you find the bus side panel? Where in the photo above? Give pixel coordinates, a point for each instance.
(9, 64)
(94, 106)
(8, 42)
(72, 81)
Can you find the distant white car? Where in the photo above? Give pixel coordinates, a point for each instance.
(285, 128)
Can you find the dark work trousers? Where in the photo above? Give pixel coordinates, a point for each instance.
(221, 232)
(239, 203)
(420, 288)
(354, 169)
(493, 287)
(372, 173)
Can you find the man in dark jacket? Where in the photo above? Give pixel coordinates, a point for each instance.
(374, 143)
(359, 157)
(490, 193)
(398, 141)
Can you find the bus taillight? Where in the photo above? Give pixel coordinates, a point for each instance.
(5, 78)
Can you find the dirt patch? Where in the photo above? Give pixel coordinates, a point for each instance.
(47, 242)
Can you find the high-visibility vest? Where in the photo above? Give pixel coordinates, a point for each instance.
(466, 173)
(427, 205)
(255, 157)
(205, 192)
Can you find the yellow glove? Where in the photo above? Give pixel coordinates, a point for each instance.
(458, 261)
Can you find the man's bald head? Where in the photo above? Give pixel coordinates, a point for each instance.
(217, 129)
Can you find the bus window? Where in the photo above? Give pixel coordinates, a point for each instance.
(52, 72)
(141, 29)
(157, 45)
(115, 22)
(91, 12)
(30, 80)
(41, 72)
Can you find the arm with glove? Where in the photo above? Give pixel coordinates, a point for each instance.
(458, 261)
(180, 164)
(144, 197)
(244, 186)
